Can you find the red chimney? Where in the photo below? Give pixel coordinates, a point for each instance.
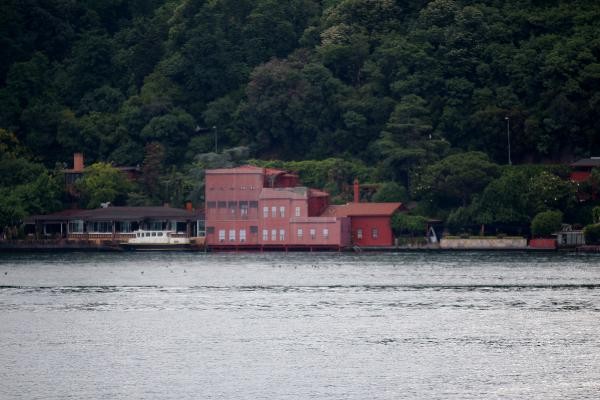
(188, 206)
(356, 191)
(78, 162)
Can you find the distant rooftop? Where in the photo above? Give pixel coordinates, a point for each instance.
(587, 162)
(116, 213)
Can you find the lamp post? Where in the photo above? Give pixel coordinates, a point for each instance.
(216, 139)
(508, 137)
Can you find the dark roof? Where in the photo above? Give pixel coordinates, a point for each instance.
(587, 162)
(116, 213)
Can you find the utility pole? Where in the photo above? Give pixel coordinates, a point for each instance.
(508, 137)
(216, 139)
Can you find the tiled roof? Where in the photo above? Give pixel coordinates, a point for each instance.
(361, 209)
(116, 213)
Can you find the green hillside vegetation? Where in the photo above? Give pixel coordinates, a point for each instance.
(410, 95)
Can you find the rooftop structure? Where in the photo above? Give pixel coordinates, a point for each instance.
(583, 168)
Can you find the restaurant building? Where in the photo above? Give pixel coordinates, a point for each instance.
(115, 224)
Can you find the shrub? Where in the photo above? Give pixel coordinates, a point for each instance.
(546, 223)
(592, 234)
(411, 224)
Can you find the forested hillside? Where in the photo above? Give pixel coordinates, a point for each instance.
(395, 88)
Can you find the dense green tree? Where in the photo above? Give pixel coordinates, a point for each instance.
(103, 183)
(454, 180)
(546, 223)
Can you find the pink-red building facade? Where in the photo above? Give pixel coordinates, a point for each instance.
(252, 207)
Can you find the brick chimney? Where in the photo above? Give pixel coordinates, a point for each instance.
(356, 191)
(78, 162)
(188, 206)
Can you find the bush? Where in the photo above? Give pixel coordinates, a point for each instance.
(411, 224)
(546, 223)
(592, 234)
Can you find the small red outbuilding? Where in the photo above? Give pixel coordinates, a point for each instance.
(370, 222)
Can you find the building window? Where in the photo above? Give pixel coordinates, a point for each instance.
(242, 235)
(273, 212)
(313, 233)
(254, 204)
(210, 230)
(221, 204)
(265, 212)
(300, 233)
(281, 235)
(155, 226)
(325, 233)
(100, 227)
(282, 211)
(359, 233)
(232, 235)
(76, 226)
(273, 234)
(253, 229)
(243, 208)
(265, 235)
(221, 235)
(297, 211)
(124, 227)
(211, 204)
(374, 233)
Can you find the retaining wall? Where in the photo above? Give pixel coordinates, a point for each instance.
(483, 243)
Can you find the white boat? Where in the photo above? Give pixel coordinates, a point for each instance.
(157, 240)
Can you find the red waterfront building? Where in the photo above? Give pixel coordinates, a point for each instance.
(263, 208)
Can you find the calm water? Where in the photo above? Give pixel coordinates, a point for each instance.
(299, 326)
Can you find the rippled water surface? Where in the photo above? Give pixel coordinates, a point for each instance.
(300, 326)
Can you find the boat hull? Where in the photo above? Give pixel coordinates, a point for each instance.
(157, 247)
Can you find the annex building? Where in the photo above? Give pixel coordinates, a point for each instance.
(263, 208)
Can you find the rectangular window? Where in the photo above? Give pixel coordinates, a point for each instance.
(76, 226)
(254, 229)
(273, 234)
(254, 204)
(242, 235)
(100, 227)
(374, 233)
(325, 233)
(282, 211)
(265, 212)
(281, 235)
(222, 204)
(273, 212)
(211, 204)
(232, 235)
(313, 233)
(210, 230)
(232, 204)
(124, 227)
(265, 235)
(297, 211)
(300, 233)
(359, 233)
(221, 235)
(244, 211)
